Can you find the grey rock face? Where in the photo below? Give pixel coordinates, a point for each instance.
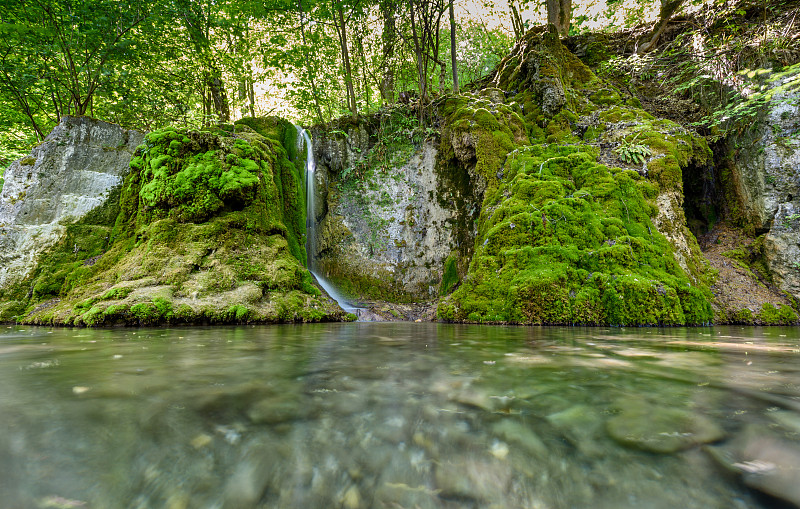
(548, 89)
(339, 152)
(398, 232)
(63, 179)
(768, 180)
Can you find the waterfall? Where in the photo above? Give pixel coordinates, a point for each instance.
(311, 221)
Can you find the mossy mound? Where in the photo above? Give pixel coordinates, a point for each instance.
(566, 240)
(571, 175)
(210, 229)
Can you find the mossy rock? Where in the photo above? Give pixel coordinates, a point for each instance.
(208, 228)
(563, 238)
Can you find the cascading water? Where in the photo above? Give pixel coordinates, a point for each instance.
(311, 219)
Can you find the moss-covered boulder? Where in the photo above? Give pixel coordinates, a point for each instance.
(581, 220)
(208, 228)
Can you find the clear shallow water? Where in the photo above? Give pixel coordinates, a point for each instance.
(398, 415)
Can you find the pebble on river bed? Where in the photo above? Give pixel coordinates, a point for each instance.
(662, 430)
(468, 477)
(251, 477)
(520, 435)
(581, 425)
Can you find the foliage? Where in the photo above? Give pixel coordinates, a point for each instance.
(633, 153)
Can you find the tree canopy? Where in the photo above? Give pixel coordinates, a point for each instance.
(150, 63)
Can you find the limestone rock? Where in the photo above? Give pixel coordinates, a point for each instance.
(766, 175)
(64, 178)
(213, 246)
(389, 241)
(341, 146)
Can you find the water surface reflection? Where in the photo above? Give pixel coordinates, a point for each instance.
(399, 415)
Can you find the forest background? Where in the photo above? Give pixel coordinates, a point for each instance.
(146, 64)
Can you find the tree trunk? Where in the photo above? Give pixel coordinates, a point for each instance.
(309, 65)
(453, 60)
(516, 20)
(389, 37)
(362, 54)
(348, 74)
(418, 56)
(559, 14)
(668, 8)
(220, 98)
(251, 93)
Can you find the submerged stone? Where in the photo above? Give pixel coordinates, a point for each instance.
(662, 430)
(765, 462)
(473, 478)
(276, 410)
(520, 435)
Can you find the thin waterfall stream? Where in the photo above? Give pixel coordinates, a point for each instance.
(311, 228)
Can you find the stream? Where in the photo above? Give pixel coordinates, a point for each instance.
(400, 415)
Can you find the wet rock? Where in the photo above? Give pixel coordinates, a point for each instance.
(351, 498)
(787, 419)
(473, 397)
(581, 426)
(662, 430)
(766, 462)
(251, 477)
(277, 410)
(392, 430)
(499, 449)
(520, 435)
(473, 478)
(228, 399)
(393, 495)
(201, 441)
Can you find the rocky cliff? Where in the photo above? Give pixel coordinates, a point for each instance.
(559, 202)
(394, 217)
(545, 195)
(208, 227)
(75, 170)
(765, 175)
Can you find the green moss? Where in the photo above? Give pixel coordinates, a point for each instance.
(207, 228)
(744, 316)
(562, 239)
(449, 274)
(566, 240)
(606, 96)
(770, 315)
(239, 313)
